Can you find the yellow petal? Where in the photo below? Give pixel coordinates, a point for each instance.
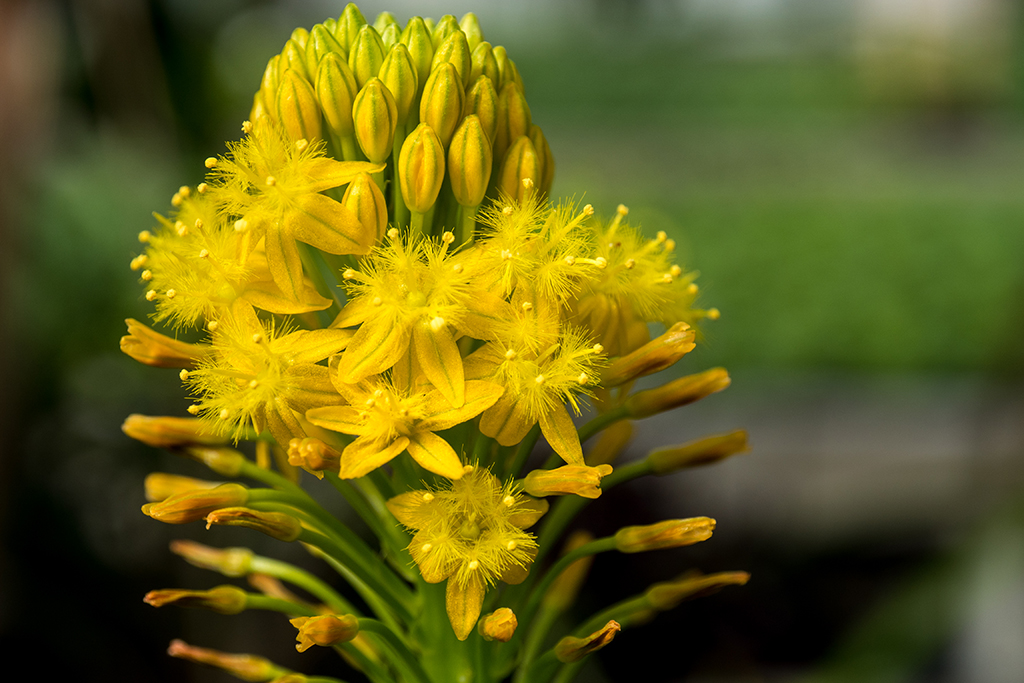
(266, 295)
(330, 226)
(440, 360)
(344, 419)
(284, 263)
(561, 434)
(325, 173)
(434, 454)
(411, 508)
(311, 346)
(464, 603)
(435, 565)
(506, 421)
(377, 346)
(479, 397)
(528, 512)
(310, 387)
(282, 423)
(355, 312)
(364, 455)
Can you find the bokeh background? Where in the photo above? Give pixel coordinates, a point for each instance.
(846, 174)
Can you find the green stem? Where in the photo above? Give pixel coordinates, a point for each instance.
(375, 603)
(418, 224)
(302, 579)
(523, 453)
(406, 662)
(374, 671)
(372, 511)
(602, 421)
(349, 149)
(257, 601)
(466, 221)
(399, 211)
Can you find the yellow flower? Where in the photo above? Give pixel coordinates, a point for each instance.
(388, 420)
(261, 376)
(472, 534)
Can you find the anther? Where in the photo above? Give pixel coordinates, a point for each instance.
(426, 547)
(588, 210)
(210, 162)
(199, 224)
(473, 564)
(597, 348)
(201, 188)
(257, 338)
(540, 379)
(437, 324)
(427, 497)
(183, 375)
(246, 127)
(171, 293)
(527, 306)
(224, 414)
(630, 264)
(377, 301)
(447, 237)
(253, 383)
(510, 354)
(507, 210)
(241, 225)
(570, 260)
(184, 191)
(675, 270)
(393, 233)
(147, 275)
(692, 289)
(601, 262)
(348, 274)
(670, 245)
(528, 183)
(377, 393)
(302, 144)
(180, 228)
(667, 278)
(212, 325)
(714, 314)
(369, 403)
(193, 409)
(508, 501)
(467, 469)
(506, 254)
(583, 379)
(511, 545)
(204, 253)
(271, 181)
(138, 261)
(622, 209)
(176, 200)
(457, 267)
(145, 236)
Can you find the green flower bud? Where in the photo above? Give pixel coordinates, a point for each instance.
(416, 37)
(259, 107)
(223, 599)
(399, 75)
(367, 202)
(429, 24)
(293, 57)
(445, 26)
(672, 533)
(701, 452)
(547, 160)
(455, 50)
(470, 25)
(482, 101)
(421, 168)
(572, 649)
(277, 525)
(442, 101)
(193, 505)
(374, 117)
(270, 83)
(336, 89)
(677, 393)
(300, 36)
(469, 162)
(222, 460)
(297, 107)
(384, 20)
(513, 118)
(321, 42)
(332, 26)
(349, 23)
(366, 55)
(390, 36)
(501, 57)
(325, 630)
(520, 170)
(484, 63)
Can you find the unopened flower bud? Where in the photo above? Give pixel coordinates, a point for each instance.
(170, 432)
(349, 23)
(482, 100)
(580, 480)
(469, 162)
(366, 55)
(321, 42)
(455, 51)
(300, 36)
(293, 57)
(442, 101)
(665, 596)
(336, 90)
(274, 524)
(384, 21)
(325, 630)
(148, 346)
(677, 393)
(398, 73)
(222, 599)
(547, 159)
(421, 168)
(366, 201)
(374, 117)
(654, 356)
(194, 505)
(566, 586)
(223, 460)
(520, 170)
(570, 649)
(161, 486)
(297, 107)
(700, 452)
(269, 85)
(504, 70)
(514, 118)
(260, 109)
(444, 27)
(672, 533)
(313, 455)
(228, 561)
(484, 63)
(470, 25)
(416, 37)
(498, 625)
(390, 36)
(246, 667)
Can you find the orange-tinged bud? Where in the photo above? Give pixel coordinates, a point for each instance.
(547, 159)
(416, 37)
(293, 57)
(223, 599)
(611, 443)
(520, 170)
(654, 356)
(297, 107)
(700, 452)
(398, 73)
(148, 346)
(665, 596)
(313, 455)
(455, 51)
(672, 533)
(374, 117)
(170, 432)
(470, 25)
(246, 667)
(444, 27)
(514, 118)
(677, 393)
(336, 90)
(227, 561)
(366, 55)
(349, 23)
(580, 480)
(274, 524)
(366, 200)
(484, 63)
(321, 42)
(325, 630)
(194, 505)
(566, 586)
(469, 162)
(442, 101)
(482, 100)
(498, 625)
(161, 486)
(421, 168)
(570, 649)
(224, 461)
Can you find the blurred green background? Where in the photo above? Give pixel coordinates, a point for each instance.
(845, 174)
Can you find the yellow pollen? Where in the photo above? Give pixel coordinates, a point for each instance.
(257, 338)
(661, 236)
(670, 245)
(302, 144)
(377, 393)
(511, 545)
(598, 348)
(676, 271)
(473, 564)
(202, 187)
(184, 191)
(601, 262)
(437, 324)
(212, 325)
(377, 301)
(144, 236)
(666, 278)
(630, 264)
(506, 254)
(426, 547)
(138, 262)
(583, 379)
(210, 162)
(370, 403)
(147, 275)
(510, 354)
(447, 237)
(622, 209)
(508, 501)
(183, 375)
(348, 274)
(246, 127)
(527, 306)
(427, 497)
(570, 260)
(507, 210)
(588, 210)
(241, 225)
(540, 379)
(171, 293)
(204, 253)
(404, 412)
(180, 228)
(692, 289)
(393, 233)
(467, 469)
(457, 267)
(176, 200)
(193, 409)
(199, 224)
(271, 181)
(714, 314)
(528, 183)
(224, 414)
